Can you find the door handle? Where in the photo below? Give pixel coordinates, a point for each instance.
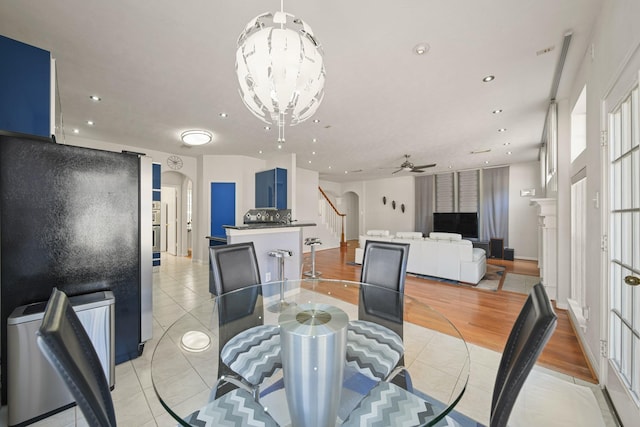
(632, 280)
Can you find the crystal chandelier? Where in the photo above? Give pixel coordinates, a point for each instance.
(280, 69)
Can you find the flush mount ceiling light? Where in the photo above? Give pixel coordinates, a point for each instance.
(280, 69)
(502, 130)
(95, 98)
(488, 79)
(498, 111)
(223, 115)
(196, 137)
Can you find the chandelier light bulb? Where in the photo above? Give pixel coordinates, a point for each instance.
(280, 70)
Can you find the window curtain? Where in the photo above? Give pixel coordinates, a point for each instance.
(495, 204)
(424, 204)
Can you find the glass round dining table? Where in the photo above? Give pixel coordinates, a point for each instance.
(310, 352)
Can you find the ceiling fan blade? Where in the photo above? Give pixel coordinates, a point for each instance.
(396, 171)
(417, 170)
(424, 166)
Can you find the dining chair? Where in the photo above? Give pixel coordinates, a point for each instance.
(392, 405)
(374, 341)
(249, 350)
(65, 344)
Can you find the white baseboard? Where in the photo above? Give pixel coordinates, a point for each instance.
(593, 361)
(526, 258)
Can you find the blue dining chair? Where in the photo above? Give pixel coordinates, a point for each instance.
(66, 345)
(389, 405)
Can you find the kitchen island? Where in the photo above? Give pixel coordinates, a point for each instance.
(269, 237)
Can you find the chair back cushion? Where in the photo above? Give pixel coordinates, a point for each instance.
(66, 345)
(385, 264)
(533, 328)
(232, 267)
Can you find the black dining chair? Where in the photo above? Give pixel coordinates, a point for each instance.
(374, 341)
(66, 345)
(249, 350)
(530, 333)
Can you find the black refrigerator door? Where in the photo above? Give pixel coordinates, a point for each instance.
(69, 218)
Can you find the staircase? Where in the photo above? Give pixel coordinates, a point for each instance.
(333, 220)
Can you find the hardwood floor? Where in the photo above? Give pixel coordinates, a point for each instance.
(483, 317)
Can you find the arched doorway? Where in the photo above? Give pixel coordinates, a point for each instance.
(350, 204)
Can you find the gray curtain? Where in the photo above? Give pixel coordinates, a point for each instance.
(424, 204)
(495, 204)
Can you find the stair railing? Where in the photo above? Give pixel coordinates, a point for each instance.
(334, 218)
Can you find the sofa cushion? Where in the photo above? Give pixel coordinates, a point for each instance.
(380, 233)
(409, 235)
(445, 236)
(478, 254)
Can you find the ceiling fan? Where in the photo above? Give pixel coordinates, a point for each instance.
(407, 166)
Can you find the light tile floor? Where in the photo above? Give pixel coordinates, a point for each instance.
(548, 398)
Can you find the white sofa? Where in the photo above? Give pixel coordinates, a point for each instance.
(444, 255)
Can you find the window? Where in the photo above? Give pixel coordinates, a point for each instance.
(444, 193)
(468, 191)
(579, 125)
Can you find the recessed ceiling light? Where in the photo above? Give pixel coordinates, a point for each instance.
(314, 140)
(509, 153)
(421, 48)
(267, 128)
(502, 130)
(90, 122)
(329, 167)
(95, 98)
(313, 152)
(316, 120)
(279, 146)
(486, 162)
(76, 131)
(507, 143)
(260, 152)
(196, 137)
(309, 161)
(450, 167)
(346, 171)
(223, 115)
(488, 79)
(497, 111)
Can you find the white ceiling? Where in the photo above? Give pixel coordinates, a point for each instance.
(165, 66)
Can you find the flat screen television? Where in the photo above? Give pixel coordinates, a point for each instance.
(465, 223)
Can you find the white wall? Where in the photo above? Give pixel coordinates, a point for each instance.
(523, 219)
(616, 57)
(307, 209)
(240, 170)
(378, 216)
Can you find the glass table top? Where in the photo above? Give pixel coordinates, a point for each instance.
(311, 317)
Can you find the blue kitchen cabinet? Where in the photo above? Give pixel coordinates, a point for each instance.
(271, 189)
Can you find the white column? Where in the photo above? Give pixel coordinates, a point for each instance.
(548, 261)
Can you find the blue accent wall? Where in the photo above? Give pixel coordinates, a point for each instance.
(223, 207)
(25, 88)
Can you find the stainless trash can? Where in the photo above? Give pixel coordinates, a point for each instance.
(34, 388)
